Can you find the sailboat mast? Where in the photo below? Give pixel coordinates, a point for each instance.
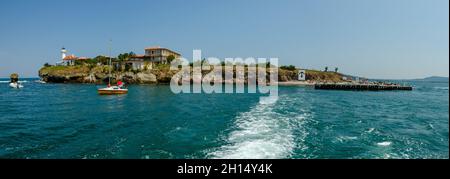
(109, 79)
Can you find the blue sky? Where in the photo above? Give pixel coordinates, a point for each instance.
(395, 39)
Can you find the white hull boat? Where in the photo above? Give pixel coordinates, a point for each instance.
(112, 90)
(15, 85)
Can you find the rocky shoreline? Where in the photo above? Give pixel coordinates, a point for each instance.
(160, 75)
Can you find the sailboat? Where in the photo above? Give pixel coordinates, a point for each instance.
(111, 90)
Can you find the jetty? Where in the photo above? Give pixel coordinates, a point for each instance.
(361, 87)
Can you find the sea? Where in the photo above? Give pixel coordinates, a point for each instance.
(71, 121)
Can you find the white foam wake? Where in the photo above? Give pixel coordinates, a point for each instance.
(261, 133)
(10, 81)
(441, 88)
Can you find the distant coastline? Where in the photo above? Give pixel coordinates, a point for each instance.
(433, 79)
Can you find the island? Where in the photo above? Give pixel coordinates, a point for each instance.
(162, 74)
(154, 68)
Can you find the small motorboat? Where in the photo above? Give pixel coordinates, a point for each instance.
(40, 81)
(112, 90)
(15, 85)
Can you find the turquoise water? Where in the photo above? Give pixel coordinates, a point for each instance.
(72, 121)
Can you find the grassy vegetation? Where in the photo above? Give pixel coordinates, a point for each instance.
(64, 70)
(285, 73)
(316, 75)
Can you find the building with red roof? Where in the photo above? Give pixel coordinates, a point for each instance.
(153, 55)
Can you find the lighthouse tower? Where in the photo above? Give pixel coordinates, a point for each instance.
(63, 53)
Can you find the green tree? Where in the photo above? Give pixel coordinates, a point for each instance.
(121, 57)
(92, 62)
(170, 58)
(102, 59)
(290, 67)
(78, 62)
(125, 56)
(128, 67)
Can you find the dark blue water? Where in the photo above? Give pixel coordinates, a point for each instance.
(72, 121)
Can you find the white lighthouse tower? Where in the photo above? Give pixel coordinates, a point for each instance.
(63, 53)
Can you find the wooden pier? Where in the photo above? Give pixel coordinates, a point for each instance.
(361, 87)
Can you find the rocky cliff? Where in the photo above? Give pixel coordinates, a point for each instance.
(161, 74)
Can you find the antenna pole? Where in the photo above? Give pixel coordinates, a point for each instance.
(110, 63)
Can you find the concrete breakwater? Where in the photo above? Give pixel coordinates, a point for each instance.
(362, 87)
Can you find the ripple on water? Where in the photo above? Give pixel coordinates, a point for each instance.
(384, 144)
